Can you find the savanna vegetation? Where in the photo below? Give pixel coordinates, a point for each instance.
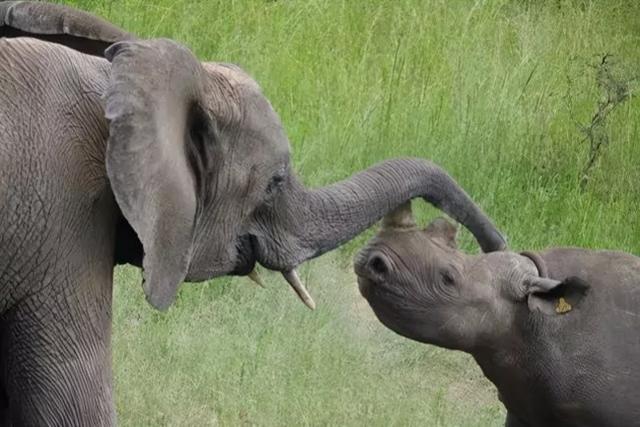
(531, 106)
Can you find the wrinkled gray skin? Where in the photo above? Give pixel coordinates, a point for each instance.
(146, 156)
(569, 362)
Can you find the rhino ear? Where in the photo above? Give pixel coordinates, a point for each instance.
(443, 229)
(553, 297)
(156, 126)
(59, 24)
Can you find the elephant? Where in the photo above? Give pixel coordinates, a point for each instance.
(120, 150)
(556, 331)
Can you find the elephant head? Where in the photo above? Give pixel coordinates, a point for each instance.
(199, 165)
(421, 286)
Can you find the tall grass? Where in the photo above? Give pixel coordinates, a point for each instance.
(494, 91)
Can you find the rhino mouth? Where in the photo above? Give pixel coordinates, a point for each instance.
(373, 289)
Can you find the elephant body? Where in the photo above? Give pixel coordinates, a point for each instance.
(55, 280)
(556, 331)
(114, 150)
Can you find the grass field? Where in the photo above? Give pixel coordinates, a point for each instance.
(501, 93)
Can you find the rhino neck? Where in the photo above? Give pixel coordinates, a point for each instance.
(512, 371)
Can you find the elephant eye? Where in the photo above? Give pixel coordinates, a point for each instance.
(276, 181)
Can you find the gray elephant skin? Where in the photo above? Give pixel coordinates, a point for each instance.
(557, 331)
(114, 150)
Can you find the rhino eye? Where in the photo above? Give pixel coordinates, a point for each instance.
(447, 278)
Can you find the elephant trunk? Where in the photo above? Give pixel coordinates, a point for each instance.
(339, 212)
(307, 223)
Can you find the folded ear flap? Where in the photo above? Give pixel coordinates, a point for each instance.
(154, 107)
(553, 297)
(59, 24)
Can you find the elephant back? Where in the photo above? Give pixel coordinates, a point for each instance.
(59, 24)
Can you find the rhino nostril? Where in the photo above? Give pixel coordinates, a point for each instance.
(378, 264)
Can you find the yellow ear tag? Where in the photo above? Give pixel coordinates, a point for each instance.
(563, 306)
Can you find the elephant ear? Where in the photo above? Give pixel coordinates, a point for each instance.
(59, 24)
(553, 297)
(154, 107)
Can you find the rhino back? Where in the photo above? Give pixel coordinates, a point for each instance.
(591, 354)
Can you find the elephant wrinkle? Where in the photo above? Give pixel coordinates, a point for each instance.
(116, 149)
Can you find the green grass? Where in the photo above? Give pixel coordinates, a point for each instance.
(491, 90)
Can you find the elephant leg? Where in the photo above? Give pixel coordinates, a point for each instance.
(5, 416)
(58, 364)
(513, 421)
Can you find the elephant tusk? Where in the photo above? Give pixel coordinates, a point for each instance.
(292, 278)
(256, 278)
